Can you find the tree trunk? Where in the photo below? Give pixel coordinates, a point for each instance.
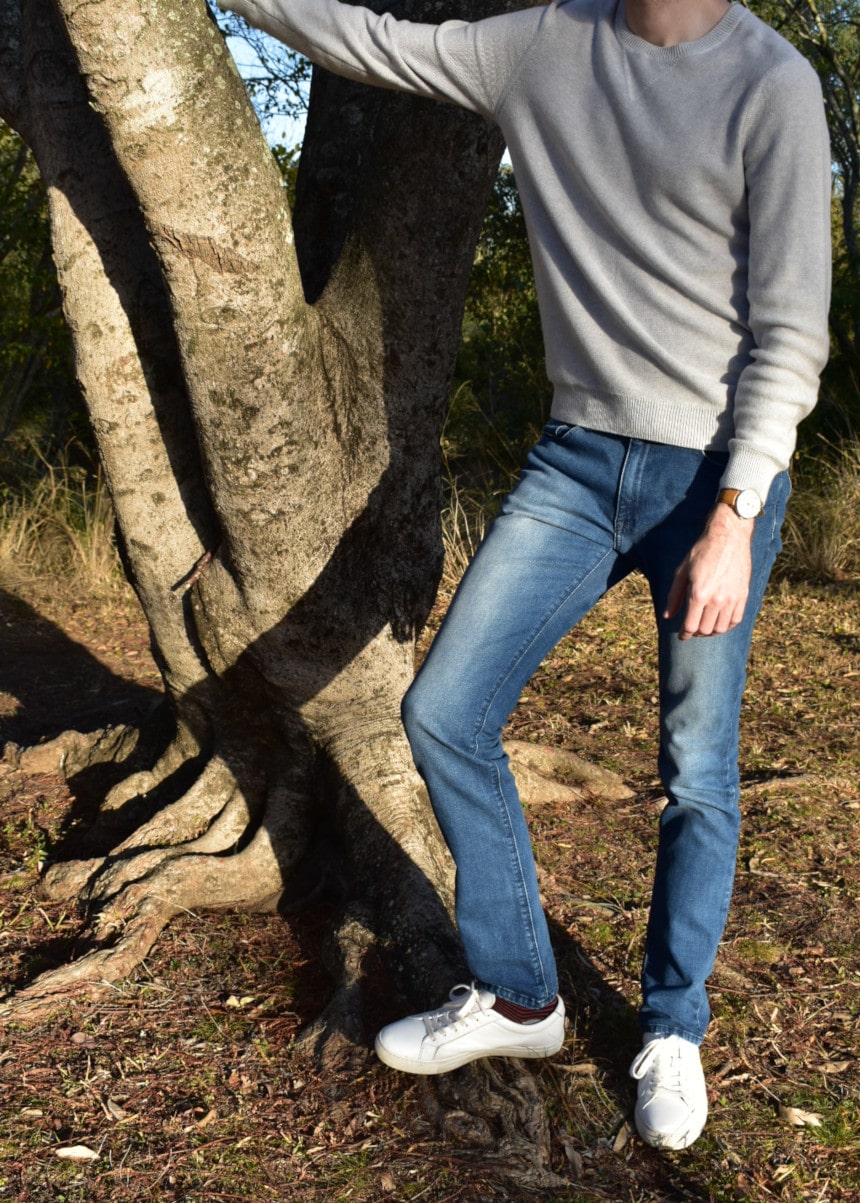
(268, 411)
(273, 461)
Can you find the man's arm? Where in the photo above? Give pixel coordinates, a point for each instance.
(788, 180)
(464, 63)
(789, 194)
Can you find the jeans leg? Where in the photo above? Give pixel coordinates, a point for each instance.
(701, 685)
(545, 562)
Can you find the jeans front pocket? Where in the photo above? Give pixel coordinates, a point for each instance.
(558, 430)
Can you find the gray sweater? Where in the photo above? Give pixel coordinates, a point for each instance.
(677, 201)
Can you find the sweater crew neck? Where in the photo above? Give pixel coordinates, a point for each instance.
(633, 44)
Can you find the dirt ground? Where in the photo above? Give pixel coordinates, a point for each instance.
(188, 1086)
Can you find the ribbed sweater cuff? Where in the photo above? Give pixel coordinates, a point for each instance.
(749, 469)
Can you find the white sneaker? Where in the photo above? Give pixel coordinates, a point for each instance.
(672, 1102)
(464, 1029)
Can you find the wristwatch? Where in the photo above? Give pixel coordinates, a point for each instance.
(745, 502)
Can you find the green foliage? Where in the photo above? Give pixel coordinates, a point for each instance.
(287, 158)
(36, 383)
(501, 394)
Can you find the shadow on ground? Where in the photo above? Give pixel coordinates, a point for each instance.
(50, 684)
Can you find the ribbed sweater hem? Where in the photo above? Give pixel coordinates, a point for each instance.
(704, 428)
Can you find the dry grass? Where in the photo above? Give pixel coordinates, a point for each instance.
(822, 530)
(60, 522)
(465, 518)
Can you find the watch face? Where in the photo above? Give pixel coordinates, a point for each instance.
(748, 503)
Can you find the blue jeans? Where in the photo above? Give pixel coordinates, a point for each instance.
(589, 509)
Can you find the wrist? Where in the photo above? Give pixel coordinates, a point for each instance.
(723, 521)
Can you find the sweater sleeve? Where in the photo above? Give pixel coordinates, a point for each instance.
(788, 175)
(465, 63)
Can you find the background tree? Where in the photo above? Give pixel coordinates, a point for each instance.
(501, 394)
(34, 353)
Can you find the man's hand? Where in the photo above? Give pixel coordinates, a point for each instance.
(714, 577)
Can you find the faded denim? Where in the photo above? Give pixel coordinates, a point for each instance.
(589, 509)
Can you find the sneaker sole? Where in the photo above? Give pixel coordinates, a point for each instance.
(673, 1142)
(428, 1068)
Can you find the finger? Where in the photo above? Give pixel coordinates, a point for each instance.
(692, 621)
(720, 618)
(730, 615)
(740, 610)
(676, 592)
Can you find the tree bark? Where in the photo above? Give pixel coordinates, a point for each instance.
(268, 410)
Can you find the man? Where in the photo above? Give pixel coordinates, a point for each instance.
(673, 164)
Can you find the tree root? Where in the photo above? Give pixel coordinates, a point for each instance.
(73, 752)
(135, 918)
(545, 774)
(170, 866)
(182, 748)
(495, 1108)
(339, 1032)
(192, 815)
(166, 835)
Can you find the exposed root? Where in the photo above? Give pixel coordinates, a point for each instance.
(775, 785)
(134, 912)
(90, 977)
(227, 828)
(495, 1108)
(189, 816)
(545, 774)
(73, 751)
(164, 835)
(182, 748)
(69, 879)
(339, 1031)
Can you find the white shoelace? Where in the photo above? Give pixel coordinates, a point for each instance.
(463, 1002)
(671, 1064)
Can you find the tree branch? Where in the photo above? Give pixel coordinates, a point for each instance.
(125, 350)
(187, 139)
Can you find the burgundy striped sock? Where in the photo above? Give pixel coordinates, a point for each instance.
(518, 1014)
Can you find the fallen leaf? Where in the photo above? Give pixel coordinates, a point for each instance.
(584, 1069)
(798, 1118)
(84, 1039)
(77, 1153)
(621, 1138)
(571, 1153)
(115, 1111)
